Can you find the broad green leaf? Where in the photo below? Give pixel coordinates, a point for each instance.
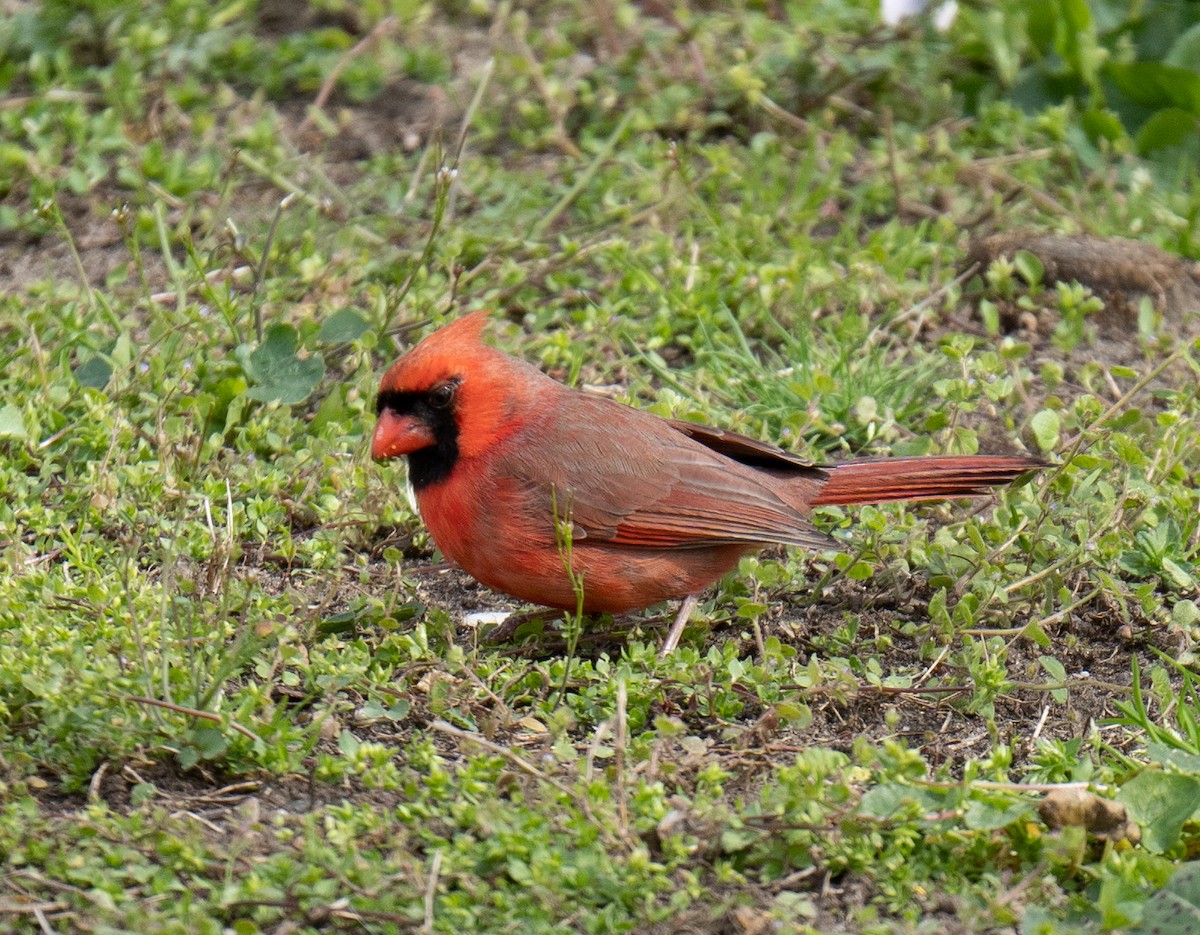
(1185, 53)
(891, 800)
(1029, 266)
(1160, 802)
(1181, 760)
(348, 744)
(1045, 425)
(1037, 920)
(1075, 40)
(95, 372)
(1126, 419)
(1034, 91)
(1034, 631)
(989, 815)
(12, 423)
(123, 350)
(1157, 85)
(1185, 614)
(1006, 55)
(332, 409)
(990, 314)
(210, 741)
(1102, 125)
(860, 571)
(1175, 909)
(342, 327)
(795, 714)
(1178, 575)
(1171, 126)
(1057, 671)
(1118, 902)
(279, 374)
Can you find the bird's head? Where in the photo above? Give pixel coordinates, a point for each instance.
(450, 396)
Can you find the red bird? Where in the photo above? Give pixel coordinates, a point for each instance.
(659, 509)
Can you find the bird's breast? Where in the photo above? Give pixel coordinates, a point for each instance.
(476, 514)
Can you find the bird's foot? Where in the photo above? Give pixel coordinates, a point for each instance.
(686, 606)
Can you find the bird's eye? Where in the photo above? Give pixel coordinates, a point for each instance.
(441, 395)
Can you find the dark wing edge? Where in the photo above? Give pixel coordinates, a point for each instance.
(742, 448)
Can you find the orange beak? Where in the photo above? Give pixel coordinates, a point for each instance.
(397, 435)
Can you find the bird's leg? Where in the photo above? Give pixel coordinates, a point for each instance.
(685, 612)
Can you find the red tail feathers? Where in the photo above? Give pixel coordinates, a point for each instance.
(931, 478)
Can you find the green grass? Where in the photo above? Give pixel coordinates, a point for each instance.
(234, 696)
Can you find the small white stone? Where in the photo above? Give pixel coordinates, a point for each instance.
(484, 617)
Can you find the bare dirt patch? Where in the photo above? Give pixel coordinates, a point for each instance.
(1120, 271)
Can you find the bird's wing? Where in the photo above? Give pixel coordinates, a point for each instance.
(743, 448)
(630, 478)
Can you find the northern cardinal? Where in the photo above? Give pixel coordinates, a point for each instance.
(501, 455)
